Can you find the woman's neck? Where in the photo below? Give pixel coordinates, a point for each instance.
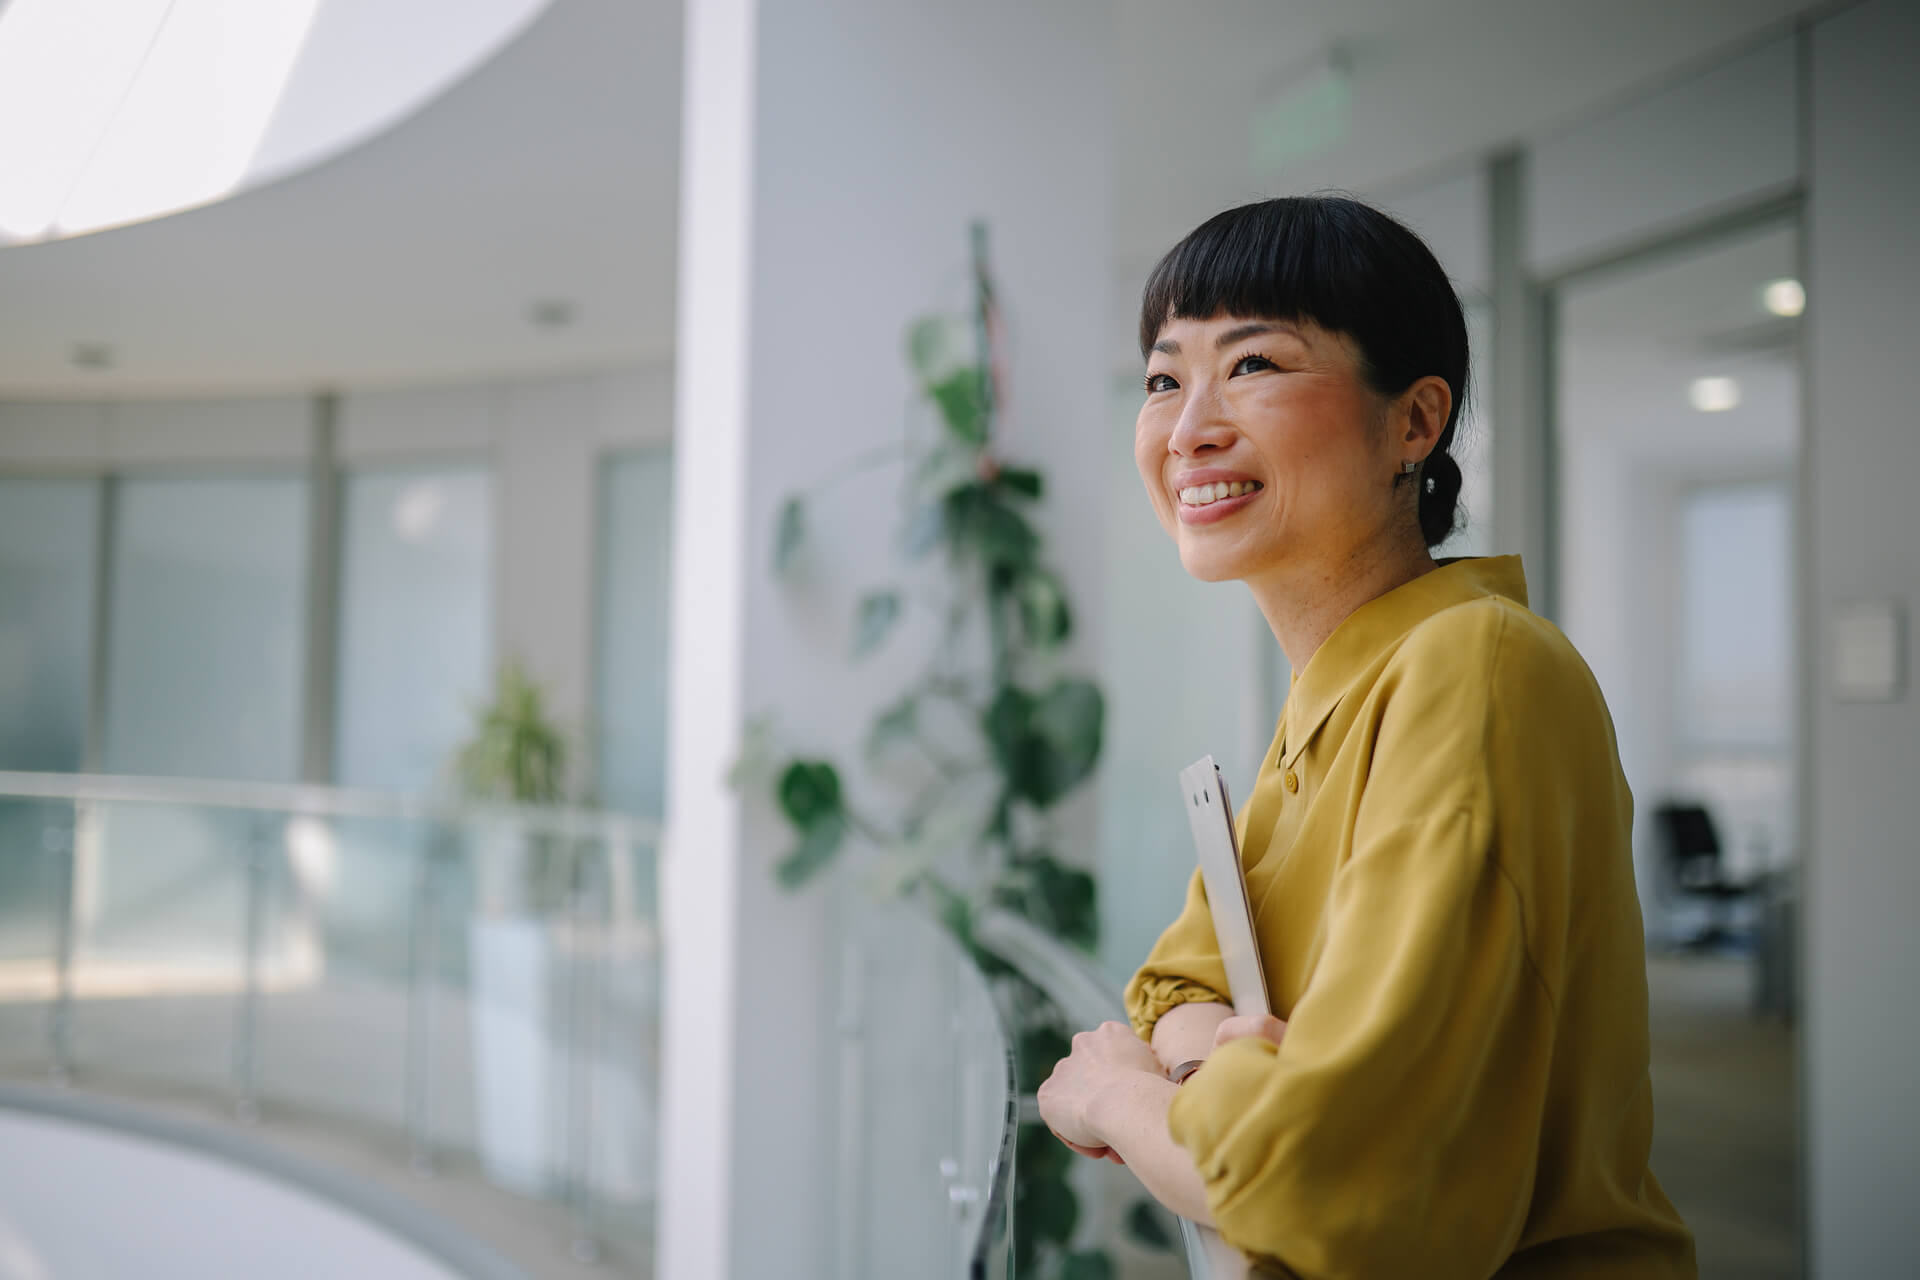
(1305, 602)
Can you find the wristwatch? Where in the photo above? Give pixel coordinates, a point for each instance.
(1180, 1073)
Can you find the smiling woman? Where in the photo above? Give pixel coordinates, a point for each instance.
(1437, 849)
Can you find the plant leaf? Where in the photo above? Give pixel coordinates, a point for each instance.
(1046, 1207)
(925, 529)
(818, 843)
(961, 397)
(1046, 746)
(1146, 1228)
(1087, 1264)
(810, 793)
(937, 345)
(890, 726)
(874, 618)
(1022, 480)
(1043, 608)
(791, 533)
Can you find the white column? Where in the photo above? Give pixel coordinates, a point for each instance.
(1861, 952)
(833, 156)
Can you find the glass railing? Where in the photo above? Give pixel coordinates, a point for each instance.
(928, 1108)
(461, 1005)
(1086, 998)
(445, 997)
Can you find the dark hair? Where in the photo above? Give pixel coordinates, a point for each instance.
(1347, 268)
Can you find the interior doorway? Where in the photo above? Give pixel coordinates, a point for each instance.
(1677, 418)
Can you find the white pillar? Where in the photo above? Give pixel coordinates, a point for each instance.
(1861, 953)
(833, 156)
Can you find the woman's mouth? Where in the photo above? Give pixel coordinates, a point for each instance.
(1206, 503)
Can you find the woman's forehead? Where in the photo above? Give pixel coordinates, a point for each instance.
(1178, 333)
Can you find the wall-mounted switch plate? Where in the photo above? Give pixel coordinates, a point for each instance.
(1868, 648)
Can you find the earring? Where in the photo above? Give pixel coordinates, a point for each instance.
(1406, 468)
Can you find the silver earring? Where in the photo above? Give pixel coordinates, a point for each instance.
(1406, 468)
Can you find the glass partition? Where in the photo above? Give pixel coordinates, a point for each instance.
(48, 548)
(630, 677)
(415, 614)
(205, 637)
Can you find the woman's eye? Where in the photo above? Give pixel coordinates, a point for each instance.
(1160, 382)
(1252, 364)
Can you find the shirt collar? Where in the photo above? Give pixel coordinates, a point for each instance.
(1376, 625)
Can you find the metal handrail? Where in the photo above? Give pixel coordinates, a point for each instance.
(315, 800)
(1085, 996)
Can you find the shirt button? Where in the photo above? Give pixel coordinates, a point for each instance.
(1293, 780)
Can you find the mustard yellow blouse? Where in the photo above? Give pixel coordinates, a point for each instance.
(1438, 862)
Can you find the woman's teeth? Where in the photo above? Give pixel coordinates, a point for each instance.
(1200, 495)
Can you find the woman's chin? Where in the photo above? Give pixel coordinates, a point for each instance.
(1212, 564)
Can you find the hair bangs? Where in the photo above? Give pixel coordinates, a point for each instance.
(1276, 260)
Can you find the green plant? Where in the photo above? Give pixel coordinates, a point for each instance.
(992, 736)
(518, 755)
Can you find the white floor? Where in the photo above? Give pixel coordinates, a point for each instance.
(80, 1200)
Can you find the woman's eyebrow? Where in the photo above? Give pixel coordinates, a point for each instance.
(1167, 346)
(1240, 331)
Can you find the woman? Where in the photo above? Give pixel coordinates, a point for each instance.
(1437, 846)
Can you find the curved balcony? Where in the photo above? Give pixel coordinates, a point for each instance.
(348, 999)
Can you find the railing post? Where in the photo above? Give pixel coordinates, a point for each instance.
(259, 850)
(423, 942)
(579, 1044)
(58, 842)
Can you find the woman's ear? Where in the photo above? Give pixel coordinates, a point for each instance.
(1427, 404)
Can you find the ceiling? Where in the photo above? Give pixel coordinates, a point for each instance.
(1633, 341)
(548, 176)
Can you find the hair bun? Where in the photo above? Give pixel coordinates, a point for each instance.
(1439, 497)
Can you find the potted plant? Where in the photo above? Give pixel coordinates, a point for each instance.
(517, 756)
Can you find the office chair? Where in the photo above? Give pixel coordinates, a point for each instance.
(1694, 868)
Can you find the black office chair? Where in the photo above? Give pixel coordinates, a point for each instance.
(1694, 869)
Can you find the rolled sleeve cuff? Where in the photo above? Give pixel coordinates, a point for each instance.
(1208, 1117)
(1149, 996)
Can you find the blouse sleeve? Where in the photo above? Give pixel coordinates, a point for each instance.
(1184, 966)
(1396, 1130)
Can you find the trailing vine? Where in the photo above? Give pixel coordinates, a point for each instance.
(997, 737)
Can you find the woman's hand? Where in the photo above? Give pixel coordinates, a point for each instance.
(1102, 1059)
(1248, 1026)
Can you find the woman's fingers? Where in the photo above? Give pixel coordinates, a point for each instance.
(1263, 1026)
(1094, 1153)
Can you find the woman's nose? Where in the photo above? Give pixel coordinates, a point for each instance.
(1201, 426)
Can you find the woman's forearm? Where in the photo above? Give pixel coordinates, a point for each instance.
(1185, 1032)
(1132, 1116)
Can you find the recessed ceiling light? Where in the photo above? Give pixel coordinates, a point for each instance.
(1714, 395)
(1784, 297)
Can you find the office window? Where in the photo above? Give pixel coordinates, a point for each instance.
(415, 619)
(205, 634)
(636, 525)
(48, 543)
(1736, 666)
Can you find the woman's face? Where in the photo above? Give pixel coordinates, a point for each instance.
(1276, 417)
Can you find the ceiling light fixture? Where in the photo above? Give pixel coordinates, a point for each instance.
(1714, 395)
(1784, 297)
(112, 111)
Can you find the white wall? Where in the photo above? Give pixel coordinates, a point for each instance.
(1862, 949)
(835, 152)
(1715, 141)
